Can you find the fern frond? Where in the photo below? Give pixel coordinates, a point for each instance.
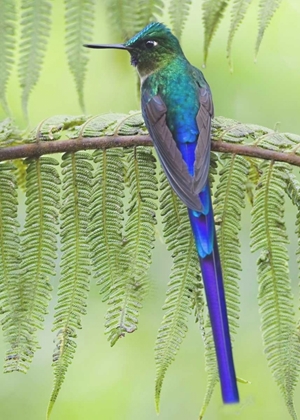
(7, 46)
(238, 13)
(178, 12)
(38, 250)
(106, 217)
(213, 11)
(126, 294)
(10, 284)
(185, 273)
(268, 235)
(35, 30)
(80, 17)
(229, 200)
(127, 17)
(267, 8)
(75, 262)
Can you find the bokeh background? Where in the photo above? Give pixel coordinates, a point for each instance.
(118, 383)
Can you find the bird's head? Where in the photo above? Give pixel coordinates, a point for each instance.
(151, 49)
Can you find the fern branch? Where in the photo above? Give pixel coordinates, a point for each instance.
(38, 250)
(75, 262)
(127, 292)
(178, 12)
(7, 46)
(79, 16)
(34, 35)
(106, 217)
(268, 234)
(213, 11)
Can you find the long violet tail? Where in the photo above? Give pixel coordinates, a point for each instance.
(206, 242)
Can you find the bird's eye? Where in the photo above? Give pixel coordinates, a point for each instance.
(150, 44)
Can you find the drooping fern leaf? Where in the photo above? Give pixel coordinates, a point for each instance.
(267, 8)
(178, 12)
(106, 218)
(238, 13)
(213, 11)
(126, 294)
(229, 200)
(75, 262)
(128, 17)
(7, 46)
(185, 272)
(38, 250)
(268, 234)
(35, 30)
(80, 16)
(10, 282)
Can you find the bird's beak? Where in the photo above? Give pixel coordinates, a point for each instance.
(114, 46)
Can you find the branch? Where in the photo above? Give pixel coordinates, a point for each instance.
(107, 142)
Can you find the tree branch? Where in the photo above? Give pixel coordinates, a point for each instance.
(106, 142)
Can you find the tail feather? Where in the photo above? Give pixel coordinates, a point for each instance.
(207, 247)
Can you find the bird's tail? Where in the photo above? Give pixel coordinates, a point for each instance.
(206, 242)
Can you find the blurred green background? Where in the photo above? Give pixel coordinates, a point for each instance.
(118, 383)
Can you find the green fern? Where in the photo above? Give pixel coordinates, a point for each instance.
(10, 284)
(126, 294)
(127, 17)
(38, 250)
(267, 8)
(7, 43)
(35, 30)
(80, 16)
(229, 200)
(185, 273)
(238, 13)
(213, 11)
(106, 217)
(75, 262)
(268, 234)
(178, 12)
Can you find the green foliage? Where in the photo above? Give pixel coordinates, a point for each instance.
(275, 297)
(79, 30)
(35, 30)
(98, 236)
(7, 41)
(75, 262)
(179, 11)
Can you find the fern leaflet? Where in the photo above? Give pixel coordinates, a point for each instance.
(38, 250)
(213, 11)
(268, 234)
(75, 262)
(80, 16)
(238, 13)
(267, 8)
(106, 217)
(34, 35)
(178, 12)
(127, 292)
(7, 46)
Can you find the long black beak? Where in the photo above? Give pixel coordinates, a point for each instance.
(115, 46)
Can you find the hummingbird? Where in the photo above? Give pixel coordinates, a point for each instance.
(177, 108)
